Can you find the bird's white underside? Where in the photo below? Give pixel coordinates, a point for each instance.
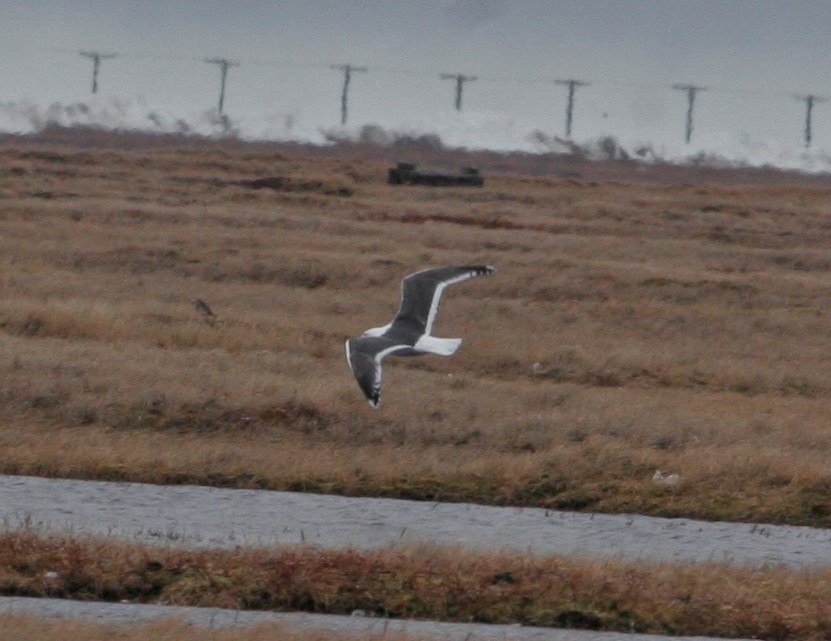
(440, 346)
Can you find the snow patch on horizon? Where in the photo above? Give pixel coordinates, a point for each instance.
(470, 130)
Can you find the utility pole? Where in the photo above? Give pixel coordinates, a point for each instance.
(810, 100)
(572, 86)
(344, 96)
(691, 91)
(460, 81)
(223, 67)
(96, 63)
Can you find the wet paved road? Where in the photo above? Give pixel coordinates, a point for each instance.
(374, 628)
(205, 517)
(201, 516)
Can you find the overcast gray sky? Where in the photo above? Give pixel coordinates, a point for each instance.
(753, 55)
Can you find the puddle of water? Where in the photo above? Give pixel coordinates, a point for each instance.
(212, 517)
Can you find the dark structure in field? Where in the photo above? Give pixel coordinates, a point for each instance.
(405, 173)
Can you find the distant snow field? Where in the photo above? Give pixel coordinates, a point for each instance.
(470, 130)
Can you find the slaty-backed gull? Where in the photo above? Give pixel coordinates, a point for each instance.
(409, 332)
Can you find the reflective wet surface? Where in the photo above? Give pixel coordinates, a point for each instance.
(202, 516)
(374, 628)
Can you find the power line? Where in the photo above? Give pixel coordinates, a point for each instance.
(691, 90)
(96, 58)
(572, 86)
(344, 97)
(420, 72)
(809, 100)
(223, 66)
(460, 79)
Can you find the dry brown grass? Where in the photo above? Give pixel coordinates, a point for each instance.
(426, 583)
(631, 327)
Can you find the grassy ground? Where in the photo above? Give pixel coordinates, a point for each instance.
(702, 599)
(632, 327)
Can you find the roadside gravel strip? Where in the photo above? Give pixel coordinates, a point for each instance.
(122, 613)
(198, 516)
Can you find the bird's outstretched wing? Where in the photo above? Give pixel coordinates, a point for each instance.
(421, 292)
(364, 355)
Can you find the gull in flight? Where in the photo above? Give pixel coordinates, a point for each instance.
(409, 332)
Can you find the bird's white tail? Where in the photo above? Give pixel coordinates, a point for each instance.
(440, 346)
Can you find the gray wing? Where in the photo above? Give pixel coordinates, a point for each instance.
(364, 356)
(421, 292)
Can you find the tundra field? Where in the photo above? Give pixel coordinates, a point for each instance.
(631, 327)
(655, 339)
